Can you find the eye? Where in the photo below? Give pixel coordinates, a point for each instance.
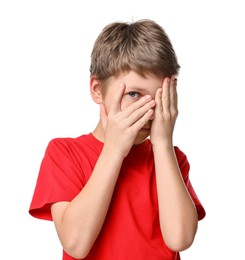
(134, 94)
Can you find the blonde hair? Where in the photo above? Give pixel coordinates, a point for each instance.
(141, 46)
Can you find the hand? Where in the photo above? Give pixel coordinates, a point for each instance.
(166, 112)
(122, 127)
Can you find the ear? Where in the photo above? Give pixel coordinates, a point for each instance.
(95, 90)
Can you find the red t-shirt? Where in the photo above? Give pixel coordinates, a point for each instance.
(131, 229)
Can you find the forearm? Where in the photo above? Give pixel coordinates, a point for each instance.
(177, 212)
(84, 216)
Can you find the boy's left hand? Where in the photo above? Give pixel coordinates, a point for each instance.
(166, 112)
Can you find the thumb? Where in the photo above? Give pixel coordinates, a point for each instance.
(103, 115)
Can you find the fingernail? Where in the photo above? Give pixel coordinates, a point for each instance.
(174, 78)
(148, 98)
(175, 82)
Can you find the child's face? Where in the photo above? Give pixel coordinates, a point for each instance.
(136, 87)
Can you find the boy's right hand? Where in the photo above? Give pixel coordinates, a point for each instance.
(121, 127)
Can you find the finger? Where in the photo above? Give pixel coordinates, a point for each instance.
(131, 109)
(166, 96)
(143, 120)
(103, 115)
(116, 104)
(173, 96)
(139, 113)
(158, 99)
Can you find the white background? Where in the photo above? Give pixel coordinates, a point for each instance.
(44, 93)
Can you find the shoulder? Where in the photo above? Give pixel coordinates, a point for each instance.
(183, 162)
(75, 148)
(65, 143)
(59, 145)
(180, 155)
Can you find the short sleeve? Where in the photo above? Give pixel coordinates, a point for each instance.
(185, 168)
(59, 179)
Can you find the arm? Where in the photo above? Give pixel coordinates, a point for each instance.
(177, 212)
(79, 222)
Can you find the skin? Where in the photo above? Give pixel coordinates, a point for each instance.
(131, 109)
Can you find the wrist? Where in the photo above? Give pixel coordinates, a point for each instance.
(163, 146)
(112, 153)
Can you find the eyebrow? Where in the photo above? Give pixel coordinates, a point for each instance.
(136, 89)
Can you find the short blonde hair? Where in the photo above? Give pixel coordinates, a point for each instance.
(141, 46)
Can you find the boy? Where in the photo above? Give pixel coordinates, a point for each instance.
(123, 190)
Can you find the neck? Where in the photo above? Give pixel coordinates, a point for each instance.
(99, 132)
